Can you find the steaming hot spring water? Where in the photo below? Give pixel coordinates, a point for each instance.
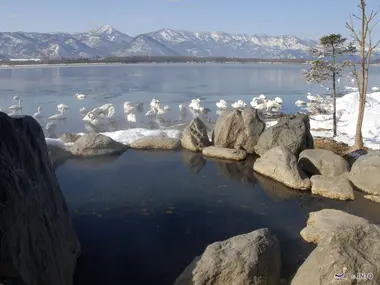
(144, 215)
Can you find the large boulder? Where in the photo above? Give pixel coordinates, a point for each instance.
(195, 136)
(339, 187)
(160, 143)
(96, 144)
(38, 243)
(224, 153)
(252, 258)
(326, 221)
(291, 132)
(373, 198)
(69, 137)
(365, 173)
(280, 164)
(341, 256)
(238, 129)
(322, 162)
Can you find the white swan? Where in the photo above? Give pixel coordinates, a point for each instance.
(151, 113)
(311, 98)
(272, 105)
(18, 106)
(80, 96)
(195, 104)
(83, 110)
(62, 107)
(128, 107)
(60, 116)
(255, 102)
(182, 108)
(238, 105)
(131, 118)
(278, 100)
(155, 103)
(94, 119)
(111, 114)
(222, 105)
(262, 97)
(161, 111)
(300, 103)
(349, 88)
(51, 126)
(38, 113)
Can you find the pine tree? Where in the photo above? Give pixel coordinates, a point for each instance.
(327, 68)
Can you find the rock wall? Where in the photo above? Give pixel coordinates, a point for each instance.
(38, 245)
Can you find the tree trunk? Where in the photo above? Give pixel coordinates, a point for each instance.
(362, 90)
(358, 135)
(334, 106)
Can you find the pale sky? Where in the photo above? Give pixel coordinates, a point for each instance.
(303, 18)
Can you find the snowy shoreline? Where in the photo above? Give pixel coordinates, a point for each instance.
(347, 113)
(320, 125)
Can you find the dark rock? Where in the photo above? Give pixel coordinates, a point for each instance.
(195, 136)
(38, 243)
(238, 129)
(292, 133)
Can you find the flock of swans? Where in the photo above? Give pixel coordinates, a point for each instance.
(106, 113)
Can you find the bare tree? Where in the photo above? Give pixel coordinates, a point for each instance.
(327, 68)
(363, 37)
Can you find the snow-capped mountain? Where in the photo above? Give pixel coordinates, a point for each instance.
(233, 45)
(107, 41)
(145, 45)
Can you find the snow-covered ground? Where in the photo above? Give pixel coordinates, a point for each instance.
(347, 113)
(126, 136)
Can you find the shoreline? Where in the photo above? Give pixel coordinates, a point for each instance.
(84, 64)
(39, 65)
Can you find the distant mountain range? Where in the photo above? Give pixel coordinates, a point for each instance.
(107, 41)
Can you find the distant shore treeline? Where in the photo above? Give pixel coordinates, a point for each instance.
(154, 59)
(151, 59)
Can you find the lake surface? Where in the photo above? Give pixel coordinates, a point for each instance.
(172, 84)
(143, 216)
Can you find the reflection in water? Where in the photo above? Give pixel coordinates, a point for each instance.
(241, 171)
(277, 191)
(193, 160)
(134, 210)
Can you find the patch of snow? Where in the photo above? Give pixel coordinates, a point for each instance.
(348, 106)
(55, 142)
(125, 136)
(131, 135)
